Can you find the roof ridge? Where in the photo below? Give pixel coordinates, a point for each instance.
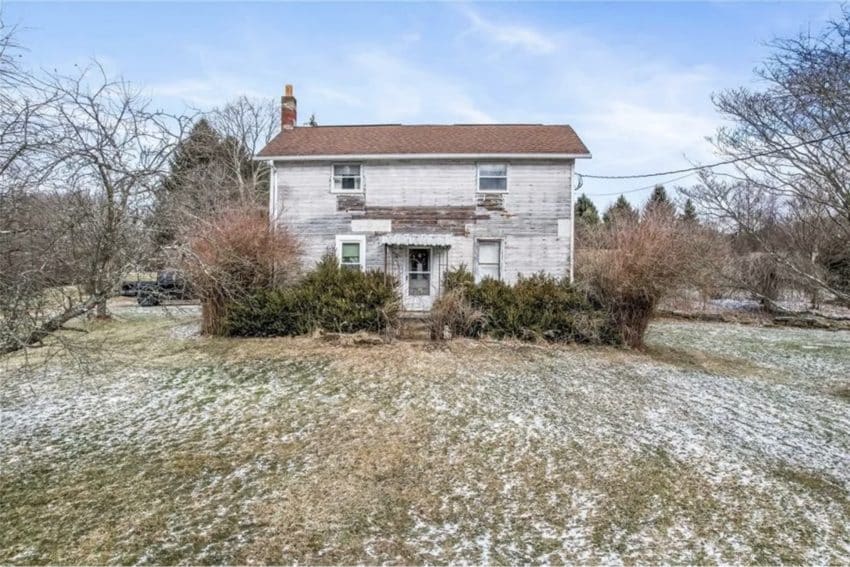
(421, 139)
(307, 126)
(473, 125)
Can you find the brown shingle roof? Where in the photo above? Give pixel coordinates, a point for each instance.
(426, 139)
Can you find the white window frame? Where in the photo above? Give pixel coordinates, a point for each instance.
(430, 271)
(478, 188)
(352, 239)
(347, 191)
(501, 264)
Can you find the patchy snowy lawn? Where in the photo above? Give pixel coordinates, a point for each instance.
(722, 443)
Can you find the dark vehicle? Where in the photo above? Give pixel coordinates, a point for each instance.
(169, 284)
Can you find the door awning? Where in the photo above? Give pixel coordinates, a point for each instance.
(402, 239)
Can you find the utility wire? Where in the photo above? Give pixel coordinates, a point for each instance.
(666, 181)
(716, 164)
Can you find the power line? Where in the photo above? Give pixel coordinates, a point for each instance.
(666, 181)
(716, 164)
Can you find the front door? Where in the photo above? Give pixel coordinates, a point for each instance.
(420, 293)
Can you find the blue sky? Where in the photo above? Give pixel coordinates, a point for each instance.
(634, 79)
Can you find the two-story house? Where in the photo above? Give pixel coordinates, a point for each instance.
(417, 200)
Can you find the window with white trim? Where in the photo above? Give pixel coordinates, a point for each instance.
(420, 271)
(347, 178)
(351, 252)
(492, 177)
(489, 261)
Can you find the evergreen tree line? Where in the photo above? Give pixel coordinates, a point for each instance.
(587, 215)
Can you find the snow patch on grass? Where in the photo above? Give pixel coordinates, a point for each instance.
(278, 451)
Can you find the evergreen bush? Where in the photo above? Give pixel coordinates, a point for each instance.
(329, 297)
(536, 307)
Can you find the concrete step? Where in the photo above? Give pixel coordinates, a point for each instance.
(415, 328)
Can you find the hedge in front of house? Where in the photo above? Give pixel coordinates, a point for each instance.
(536, 307)
(330, 298)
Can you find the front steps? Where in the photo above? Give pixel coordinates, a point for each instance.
(414, 326)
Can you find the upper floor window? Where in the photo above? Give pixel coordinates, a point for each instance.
(346, 177)
(493, 177)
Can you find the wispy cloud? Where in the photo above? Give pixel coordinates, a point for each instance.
(204, 92)
(638, 95)
(639, 110)
(511, 35)
(334, 95)
(400, 90)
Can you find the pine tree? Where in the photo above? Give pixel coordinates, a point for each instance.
(586, 212)
(659, 195)
(659, 202)
(621, 210)
(201, 150)
(690, 212)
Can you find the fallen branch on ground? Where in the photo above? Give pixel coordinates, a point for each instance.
(50, 326)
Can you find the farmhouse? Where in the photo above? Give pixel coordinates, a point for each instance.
(417, 200)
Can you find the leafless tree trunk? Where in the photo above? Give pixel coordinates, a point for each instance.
(115, 154)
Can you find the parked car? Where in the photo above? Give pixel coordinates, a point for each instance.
(169, 284)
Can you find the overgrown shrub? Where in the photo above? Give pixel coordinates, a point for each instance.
(329, 297)
(459, 278)
(635, 264)
(452, 312)
(234, 255)
(536, 307)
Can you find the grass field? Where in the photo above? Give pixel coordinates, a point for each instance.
(722, 443)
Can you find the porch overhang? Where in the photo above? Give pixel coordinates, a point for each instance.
(412, 239)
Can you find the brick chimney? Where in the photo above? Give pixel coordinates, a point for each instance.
(288, 109)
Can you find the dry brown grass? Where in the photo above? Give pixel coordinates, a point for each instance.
(843, 393)
(285, 450)
(370, 478)
(453, 313)
(706, 362)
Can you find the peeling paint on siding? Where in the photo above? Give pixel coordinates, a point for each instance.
(439, 197)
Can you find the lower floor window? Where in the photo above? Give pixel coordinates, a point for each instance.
(489, 259)
(350, 252)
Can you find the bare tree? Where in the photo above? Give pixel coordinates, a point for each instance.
(246, 126)
(80, 155)
(790, 193)
(115, 153)
(213, 169)
(25, 127)
(27, 312)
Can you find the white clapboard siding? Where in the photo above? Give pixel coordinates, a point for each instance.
(537, 204)
(420, 184)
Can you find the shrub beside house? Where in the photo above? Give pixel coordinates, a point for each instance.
(331, 297)
(338, 299)
(535, 307)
